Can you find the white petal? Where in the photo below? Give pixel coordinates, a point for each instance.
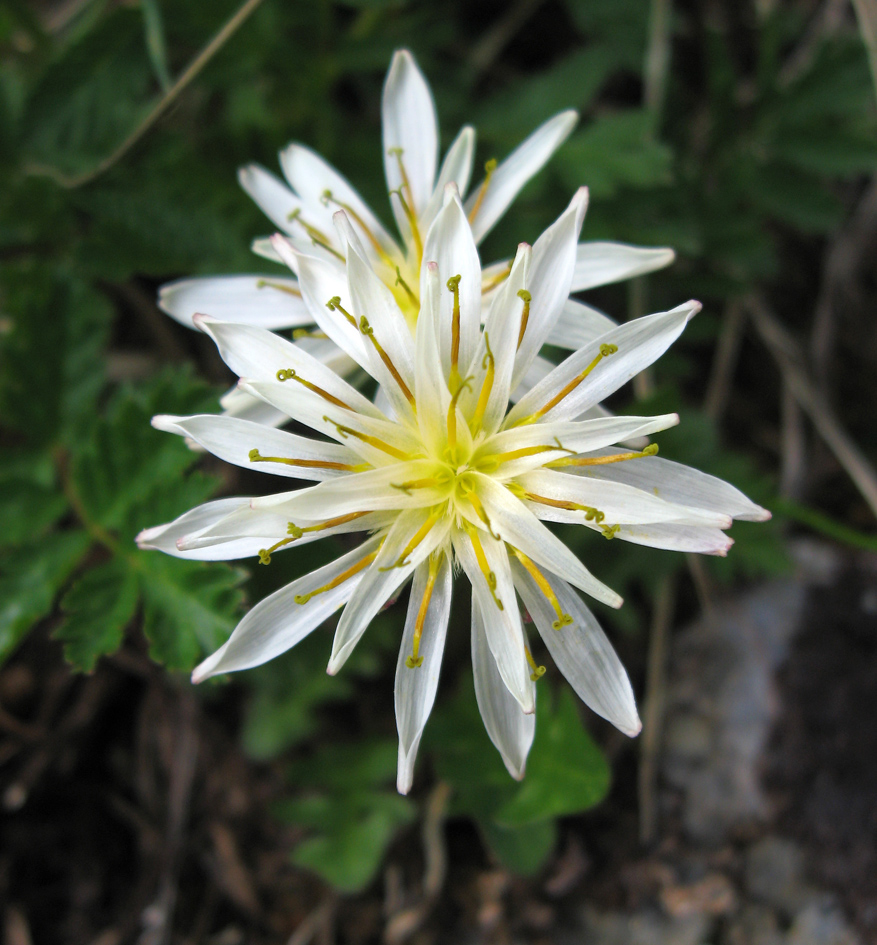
(409, 123)
(639, 342)
(238, 403)
(676, 482)
(517, 525)
(523, 163)
(272, 196)
(416, 687)
(502, 627)
(266, 301)
(431, 390)
(509, 728)
(581, 650)
(671, 537)
(621, 503)
(578, 325)
(456, 169)
(194, 522)
(384, 577)
(232, 439)
(599, 263)
(278, 622)
(311, 178)
(450, 244)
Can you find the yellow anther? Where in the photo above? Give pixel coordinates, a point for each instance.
(256, 457)
(326, 198)
(411, 296)
(563, 619)
(610, 531)
(369, 332)
(289, 374)
(264, 556)
(489, 168)
(537, 671)
(488, 363)
(452, 416)
(650, 450)
(335, 303)
(421, 533)
(374, 441)
(605, 351)
(318, 238)
(415, 659)
(524, 295)
(454, 287)
(266, 284)
(481, 558)
(344, 576)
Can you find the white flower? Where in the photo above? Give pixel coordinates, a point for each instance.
(446, 477)
(304, 206)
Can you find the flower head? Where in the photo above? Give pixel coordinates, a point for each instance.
(445, 477)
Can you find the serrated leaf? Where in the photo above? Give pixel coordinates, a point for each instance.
(30, 578)
(189, 607)
(27, 510)
(566, 771)
(98, 608)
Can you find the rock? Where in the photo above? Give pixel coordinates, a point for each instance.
(774, 875)
(755, 925)
(640, 928)
(821, 923)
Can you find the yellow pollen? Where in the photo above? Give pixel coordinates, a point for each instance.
(605, 351)
(374, 441)
(489, 576)
(369, 333)
(412, 298)
(650, 450)
(563, 620)
(488, 363)
(454, 287)
(266, 284)
(345, 575)
(415, 660)
(335, 303)
(326, 198)
(256, 457)
(318, 238)
(489, 168)
(610, 531)
(288, 374)
(538, 671)
(421, 533)
(525, 314)
(591, 514)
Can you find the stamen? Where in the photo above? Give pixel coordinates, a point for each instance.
(295, 532)
(371, 440)
(434, 482)
(496, 280)
(266, 284)
(307, 333)
(326, 198)
(491, 463)
(369, 332)
(650, 450)
(480, 511)
(421, 533)
(408, 207)
(591, 514)
(415, 660)
(538, 671)
(345, 575)
(605, 351)
(335, 303)
(454, 286)
(256, 457)
(563, 620)
(452, 416)
(488, 363)
(525, 314)
(411, 296)
(489, 576)
(288, 374)
(318, 238)
(610, 531)
(489, 168)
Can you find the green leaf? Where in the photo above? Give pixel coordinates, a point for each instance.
(566, 771)
(98, 608)
(30, 578)
(189, 607)
(27, 510)
(522, 850)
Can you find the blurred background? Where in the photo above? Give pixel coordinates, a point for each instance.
(261, 809)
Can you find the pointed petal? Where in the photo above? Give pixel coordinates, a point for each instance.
(430, 388)
(502, 627)
(517, 525)
(238, 403)
(599, 263)
(639, 343)
(672, 537)
(581, 650)
(578, 325)
(232, 440)
(409, 123)
(272, 196)
(278, 622)
(509, 728)
(456, 169)
(384, 577)
(194, 522)
(550, 275)
(523, 163)
(416, 686)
